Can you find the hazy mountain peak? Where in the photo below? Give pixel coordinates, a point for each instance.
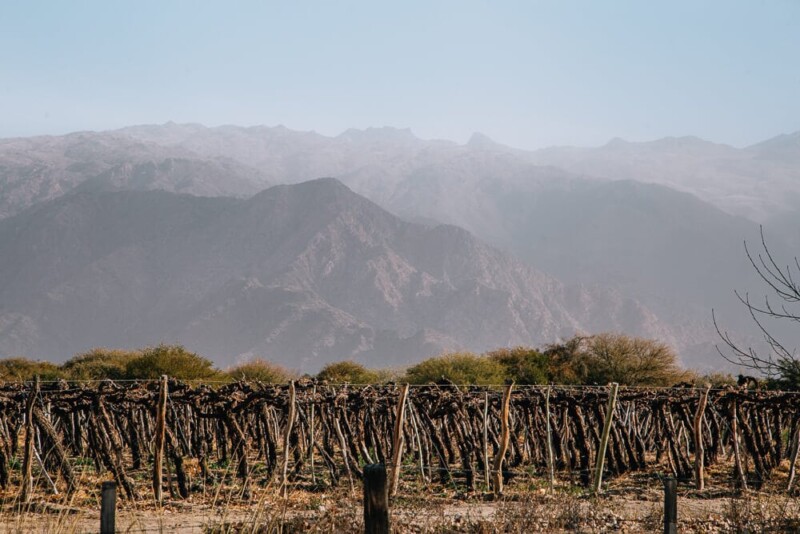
(784, 146)
(664, 143)
(617, 142)
(373, 135)
(482, 141)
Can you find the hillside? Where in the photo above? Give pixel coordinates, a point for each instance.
(675, 249)
(301, 274)
(758, 182)
(38, 169)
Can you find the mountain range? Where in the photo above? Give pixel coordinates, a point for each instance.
(302, 274)
(644, 238)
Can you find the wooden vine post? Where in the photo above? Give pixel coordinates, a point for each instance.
(550, 467)
(486, 438)
(311, 435)
(737, 456)
(161, 428)
(397, 445)
(699, 450)
(601, 453)
(793, 462)
(670, 505)
(497, 468)
(287, 435)
(376, 500)
(27, 459)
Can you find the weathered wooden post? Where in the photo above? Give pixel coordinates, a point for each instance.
(286, 437)
(699, 450)
(158, 452)
(550, 467)
(497, 468)
(311, 435)
(376, 500)
(670, 505)
(27, 458)
(486, 438)
(737, 458)
(108, 506)
(601, 453)
(397, 446)
(795, 448)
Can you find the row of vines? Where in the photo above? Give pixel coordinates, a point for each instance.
(315, 435)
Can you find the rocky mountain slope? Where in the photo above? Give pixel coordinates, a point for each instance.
(38, 169)
(301, 274)
(759, 182)
(653, 223)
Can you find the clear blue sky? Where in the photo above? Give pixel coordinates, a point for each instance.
(526, 73)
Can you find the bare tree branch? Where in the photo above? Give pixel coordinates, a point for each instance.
(780, 363)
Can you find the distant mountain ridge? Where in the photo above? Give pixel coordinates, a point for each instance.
(659, 224)
(38, 169)
(302, 274)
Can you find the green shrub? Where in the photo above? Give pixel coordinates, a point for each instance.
(261, 370)
(350, 372)
(523, 365)
(171, 360)
(458, 367)
(99, 364)
(19, 369)
(632, 361)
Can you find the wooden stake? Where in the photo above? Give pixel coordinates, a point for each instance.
(397, 446)
(601, 454)
(699, 449)
(286, 436)
(415, 426)
(311, 434)
(108, 507)
(376, 500)
(27, 459)
(343, 445)
(497, 468)
(486, 437)
(550, 467)
(670, 505)
(158, 452)
(736, 453)
(793, 463)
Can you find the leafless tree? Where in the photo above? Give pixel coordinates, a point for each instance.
(780, 364)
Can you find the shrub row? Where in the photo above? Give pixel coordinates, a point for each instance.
(598, 359)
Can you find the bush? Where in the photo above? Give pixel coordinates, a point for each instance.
(19, 369)
(171, 360)
(99, 364)
(631, 361)
(263, 371)
(567, 362)
(523, 365)
(350, 372)
(458, 367)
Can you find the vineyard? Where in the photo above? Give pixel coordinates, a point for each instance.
(154, 437)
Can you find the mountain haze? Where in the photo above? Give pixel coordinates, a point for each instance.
(646, 235)
(301, 274)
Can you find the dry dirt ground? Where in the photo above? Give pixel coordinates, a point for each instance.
(560, 511)
(629, 504)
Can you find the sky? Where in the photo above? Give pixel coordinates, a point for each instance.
(529, 74)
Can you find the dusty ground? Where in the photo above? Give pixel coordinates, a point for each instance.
(563, 510)
(630, 504)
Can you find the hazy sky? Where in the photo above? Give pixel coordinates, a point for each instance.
(526, 73)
